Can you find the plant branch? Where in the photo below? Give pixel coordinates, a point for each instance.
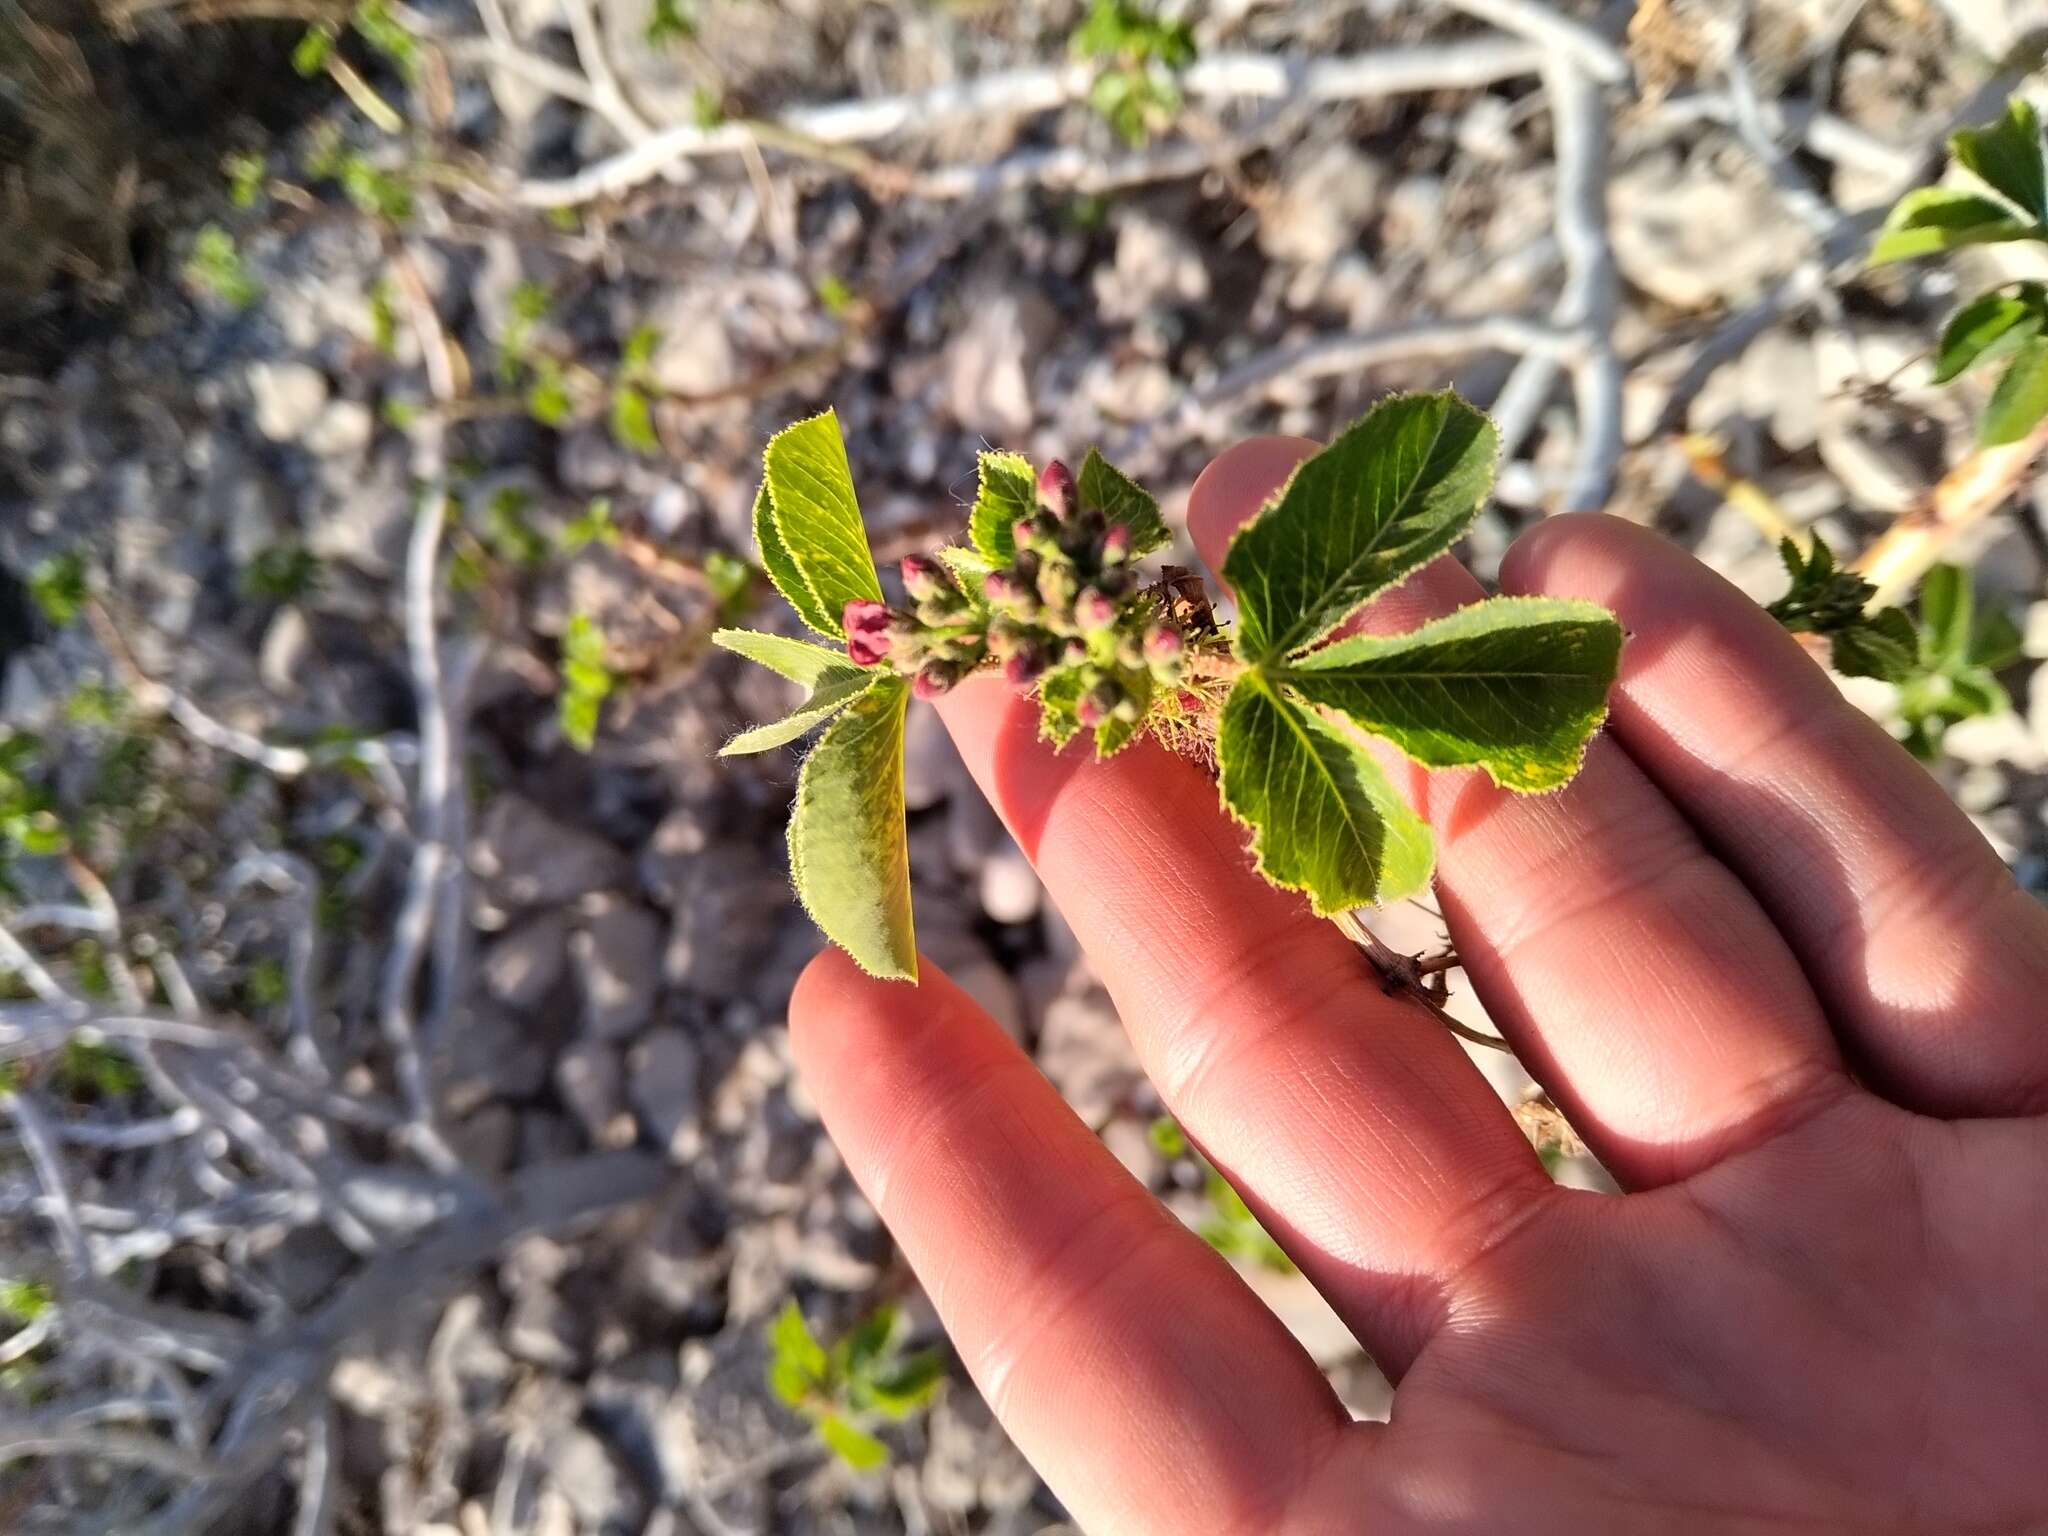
(1915, 542)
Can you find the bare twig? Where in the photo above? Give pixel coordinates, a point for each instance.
(1963, 498)
(41, 1147)
(1592, 288)
(1026, 92)
(1404, 976)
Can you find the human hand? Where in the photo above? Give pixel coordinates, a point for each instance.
(1780, 986)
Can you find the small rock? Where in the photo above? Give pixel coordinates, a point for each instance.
(287, 399)
(1083, 1049)
(287, 647)
(488, 1139)
(343, 430)
(664, 1069)
(970, 1464)
(606, 1499)
(1010, 890)
(529, 859)
(591, 1081)
(544, 1330)
(618, 968)
(491, 1055)
(695, 355)
(1693, 241)
(992, 987)
(525, 962)
(987, 363)
(1155, 264)
(1323, 204)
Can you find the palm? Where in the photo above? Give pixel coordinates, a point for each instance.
(1777, 982)
(1795, 1338)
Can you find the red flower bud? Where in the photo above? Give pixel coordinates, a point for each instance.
(1024, 667)
(924, 577)
(1089, 711)
(1164, 643)
(1116, 544)
(867, 623)
(934, 679)
(1056, 490)
(1093, 611)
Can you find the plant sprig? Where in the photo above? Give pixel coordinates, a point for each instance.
(1047, 591)
(865, 1376)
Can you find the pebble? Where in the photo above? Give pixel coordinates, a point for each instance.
(286, 398)
(663, 1071)
(617, 959)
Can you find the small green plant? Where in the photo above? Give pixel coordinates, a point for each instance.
(2005, 324)
(215, 269)
(94, 1073)
(593, 525)
(59, 587)
(23, 1301)
(244, 172)
(28, 815)
(1231, 1228)
(1047, 591)
(586, 681)
(283, 573)
(864, 1377)
(1141, 54)
(632, 414)
(670, 22)
(1944, 664)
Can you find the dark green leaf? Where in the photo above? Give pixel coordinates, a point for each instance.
(848, 852)
(1933, 219)
(904, 1386)
(1883, 645)
(1515, 684)
(810, 500)
(1009, 491)
(2007, 157)
(1324, 818)
(1987, 328)
(1396, 489)
(2021, 397)
(1101, 484)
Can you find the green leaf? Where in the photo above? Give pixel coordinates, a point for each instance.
(1931, 219)
(815, 521)
(58, 586)
(1113, 735)
(832, 694)
(968, 568)
(798, 660)
(797, 1365)
(1396, 489)
(848, 853)
(1884, 645)
(2007, 157)
(1987, 328)
(856, 1447)
(1515, 684)
(782, 570)
(1324, 819)
(1009, 491)
(633, 421)
(868, 1340)
(906, 1385)
(313, 49)
(1058, 693)
(2020, 399)
(1947, 614)
(1102, 484)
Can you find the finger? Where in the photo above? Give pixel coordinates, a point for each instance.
(1138, 1373)
(1933, 962)
(1631, 971)
(1367, 1143)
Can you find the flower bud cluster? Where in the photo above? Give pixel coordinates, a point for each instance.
(1069, 597)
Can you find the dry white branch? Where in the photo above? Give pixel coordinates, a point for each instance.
(1585, 48)
(1592, 291)
(1026, 92)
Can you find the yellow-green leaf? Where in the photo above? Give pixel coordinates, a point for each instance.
(798, 660)
(1517, 685)
(1009, 491)
(848, 852)
(2020, 399)
(1324, 818)
(1932, 219)
(1122, 500)
(833, 693)
(816, 526)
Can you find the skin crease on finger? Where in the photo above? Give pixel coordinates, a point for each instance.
(1829, 1321)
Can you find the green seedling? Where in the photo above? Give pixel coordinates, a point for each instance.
(866, 1377)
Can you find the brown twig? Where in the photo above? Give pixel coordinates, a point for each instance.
(1963, 497)
(1410, 976)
